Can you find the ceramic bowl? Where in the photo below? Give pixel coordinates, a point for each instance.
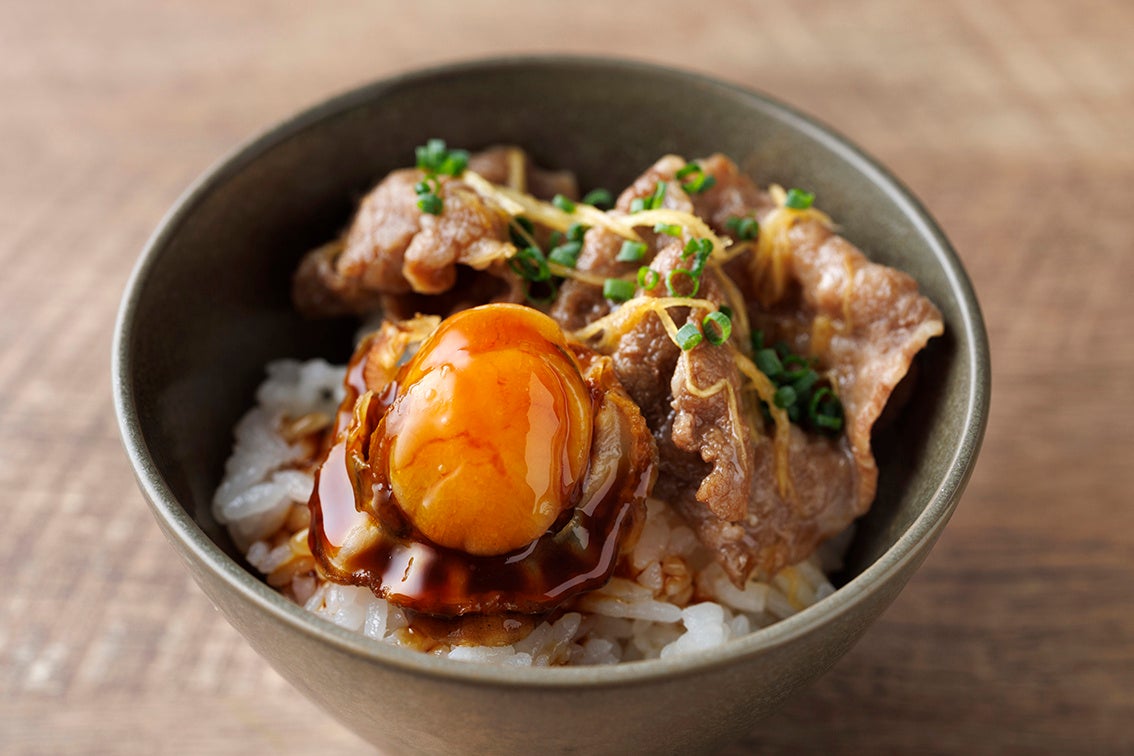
(208, 306)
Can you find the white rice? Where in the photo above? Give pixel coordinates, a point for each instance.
(680, 601)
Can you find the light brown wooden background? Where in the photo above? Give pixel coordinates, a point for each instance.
(1014, 121)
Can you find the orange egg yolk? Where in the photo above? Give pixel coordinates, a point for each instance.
(489, 435)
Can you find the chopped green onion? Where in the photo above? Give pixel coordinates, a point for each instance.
(704, 250)
(768, 362)
(576, 231)
(430, 203)
(699, 247)
(617, 290)
(648, 277)
(832, 423)
(717, 327)
(670, 229)
(435, 157)
(529, 264)
(671, 282)
(653, 202)
(555, 239)
(566, 254)
(532, 289)
(688, 168)
(455, 163)
(524, 225)
(795, 362)
(825, 410)
(803, 384)
(631, 251)
(746, 229)
(757, 340)
(699, 181)
(688, 336)
(431, 155)
(797, 199)
(599, 198)
(784, 397)
(563, 203)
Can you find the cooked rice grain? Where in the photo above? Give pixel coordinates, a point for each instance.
(680, 600)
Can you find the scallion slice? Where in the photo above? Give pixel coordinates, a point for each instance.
(673, 277)
(530, 264)
(797, 199)
(717, 327)
(566, 254)
(768, 362)
(648, 277)
(617, 289)
(563, 203)
(631, 251)
(688, 336)
(599, 198)
(784, 397)
(430, 203)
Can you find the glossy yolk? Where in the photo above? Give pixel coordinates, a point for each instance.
(490, 432)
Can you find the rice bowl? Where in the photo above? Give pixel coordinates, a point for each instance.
(205, 283)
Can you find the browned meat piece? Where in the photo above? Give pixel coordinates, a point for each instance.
(511, 166)
(706, 425)
(732, 195)
(644, 186)
(393, 250)
(778, 531)
(580, 302)
(865, 322)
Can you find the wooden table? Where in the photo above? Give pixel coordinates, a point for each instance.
(1013, 122)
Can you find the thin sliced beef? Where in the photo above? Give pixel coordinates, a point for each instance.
(714, 426)
(865, 323)
(511, 166)
(644, 186)
(581, 302)
(393, 251)
(868, 323)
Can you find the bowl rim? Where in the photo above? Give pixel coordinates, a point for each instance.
(196, 545)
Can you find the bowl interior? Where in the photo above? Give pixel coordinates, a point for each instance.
(209, 304)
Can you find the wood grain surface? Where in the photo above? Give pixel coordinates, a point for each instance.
(1011, 120)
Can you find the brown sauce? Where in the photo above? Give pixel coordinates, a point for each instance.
(577, 554)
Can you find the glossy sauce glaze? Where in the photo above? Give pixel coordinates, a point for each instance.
(547, 540)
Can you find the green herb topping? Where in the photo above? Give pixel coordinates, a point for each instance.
(618, 290)
(599, 198)
(797, 199)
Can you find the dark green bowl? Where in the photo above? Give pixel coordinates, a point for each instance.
(207, 307)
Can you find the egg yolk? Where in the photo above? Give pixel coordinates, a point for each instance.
(489, 435)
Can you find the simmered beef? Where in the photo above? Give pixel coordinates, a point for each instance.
(392, 248)
(759, 500)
